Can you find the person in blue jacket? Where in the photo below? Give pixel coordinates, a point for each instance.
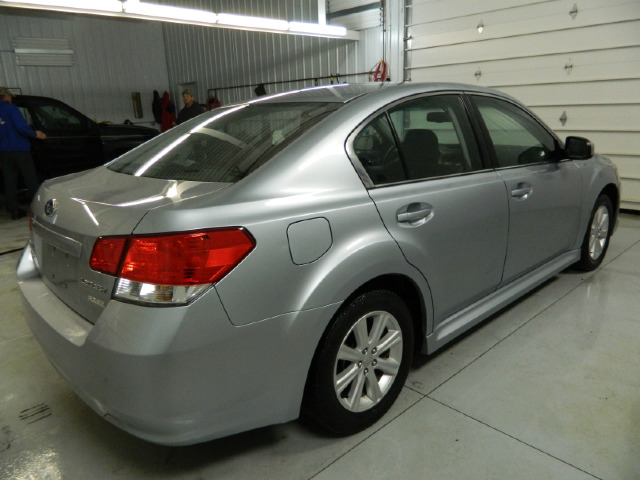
(15, 152)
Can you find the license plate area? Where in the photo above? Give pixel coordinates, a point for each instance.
(58, 267)
(57, 256)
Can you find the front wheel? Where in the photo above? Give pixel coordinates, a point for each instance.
(361, 364)
(596, 239)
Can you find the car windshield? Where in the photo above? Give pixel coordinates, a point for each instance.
(224, 145)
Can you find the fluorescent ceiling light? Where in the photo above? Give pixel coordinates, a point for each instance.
(167, 12)
(114, 6)
(317, 29)
(253, 22)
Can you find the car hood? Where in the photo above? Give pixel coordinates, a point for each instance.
(108, 129)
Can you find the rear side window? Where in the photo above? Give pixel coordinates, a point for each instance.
(225, 145)
(376, 148)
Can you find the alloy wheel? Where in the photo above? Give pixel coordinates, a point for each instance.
(599, 234)
(368, 361)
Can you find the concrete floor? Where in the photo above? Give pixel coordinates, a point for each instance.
(547, 389)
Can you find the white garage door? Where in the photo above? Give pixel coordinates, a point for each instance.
(576, 63)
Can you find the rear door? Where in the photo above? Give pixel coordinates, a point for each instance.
(447, 212)
(542, 185)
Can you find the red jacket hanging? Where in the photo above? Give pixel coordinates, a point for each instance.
(168, 112)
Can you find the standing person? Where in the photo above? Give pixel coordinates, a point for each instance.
(191, 108)
(15, 152)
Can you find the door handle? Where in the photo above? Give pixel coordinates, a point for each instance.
(414, 212)
(522, 191)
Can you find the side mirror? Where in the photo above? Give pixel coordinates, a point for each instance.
(578, 148)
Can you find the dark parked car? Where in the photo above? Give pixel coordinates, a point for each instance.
(74, 141)
(289, 255)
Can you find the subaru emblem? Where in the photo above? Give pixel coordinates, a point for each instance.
(50, 207)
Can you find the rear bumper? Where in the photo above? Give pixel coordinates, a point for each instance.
(177, 375)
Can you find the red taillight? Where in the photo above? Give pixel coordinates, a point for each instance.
(107, 253)
(193, 258)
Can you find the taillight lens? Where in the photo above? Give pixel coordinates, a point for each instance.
(107, 253)
(170, 268)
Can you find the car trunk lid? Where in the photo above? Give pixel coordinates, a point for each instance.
(70, 213)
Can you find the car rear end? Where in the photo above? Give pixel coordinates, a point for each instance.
(125, 273)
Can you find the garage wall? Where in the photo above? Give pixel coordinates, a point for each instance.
(111, 59)
(576, 63)
(215, 58)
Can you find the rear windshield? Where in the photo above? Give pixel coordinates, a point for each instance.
(223, 145)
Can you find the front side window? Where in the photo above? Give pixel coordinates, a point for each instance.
(225, 145)
(57, 117)
(26, 115)
(517, 138)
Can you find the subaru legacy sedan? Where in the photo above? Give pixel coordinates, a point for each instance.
(290, 255)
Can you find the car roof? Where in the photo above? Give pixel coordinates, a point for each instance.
(35, 97)
(343, 93)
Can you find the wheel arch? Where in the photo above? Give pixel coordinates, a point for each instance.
(409, 294)
(613, 193)
(407, 290)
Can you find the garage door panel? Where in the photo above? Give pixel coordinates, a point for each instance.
(614, 143)
(580, 73)
(523, 20)
(587, 93)
(532, 71)
(591, 117)
(436, 10)
(630, 194)
(629, 166)
(597, 37)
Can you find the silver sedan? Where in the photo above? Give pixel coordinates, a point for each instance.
(292, 254)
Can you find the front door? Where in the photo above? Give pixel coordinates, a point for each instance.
(540, 183)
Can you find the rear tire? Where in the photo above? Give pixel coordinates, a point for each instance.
(361, 363)
(597, 236)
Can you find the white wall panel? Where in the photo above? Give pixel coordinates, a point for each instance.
(585, 65)
(112, 59)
